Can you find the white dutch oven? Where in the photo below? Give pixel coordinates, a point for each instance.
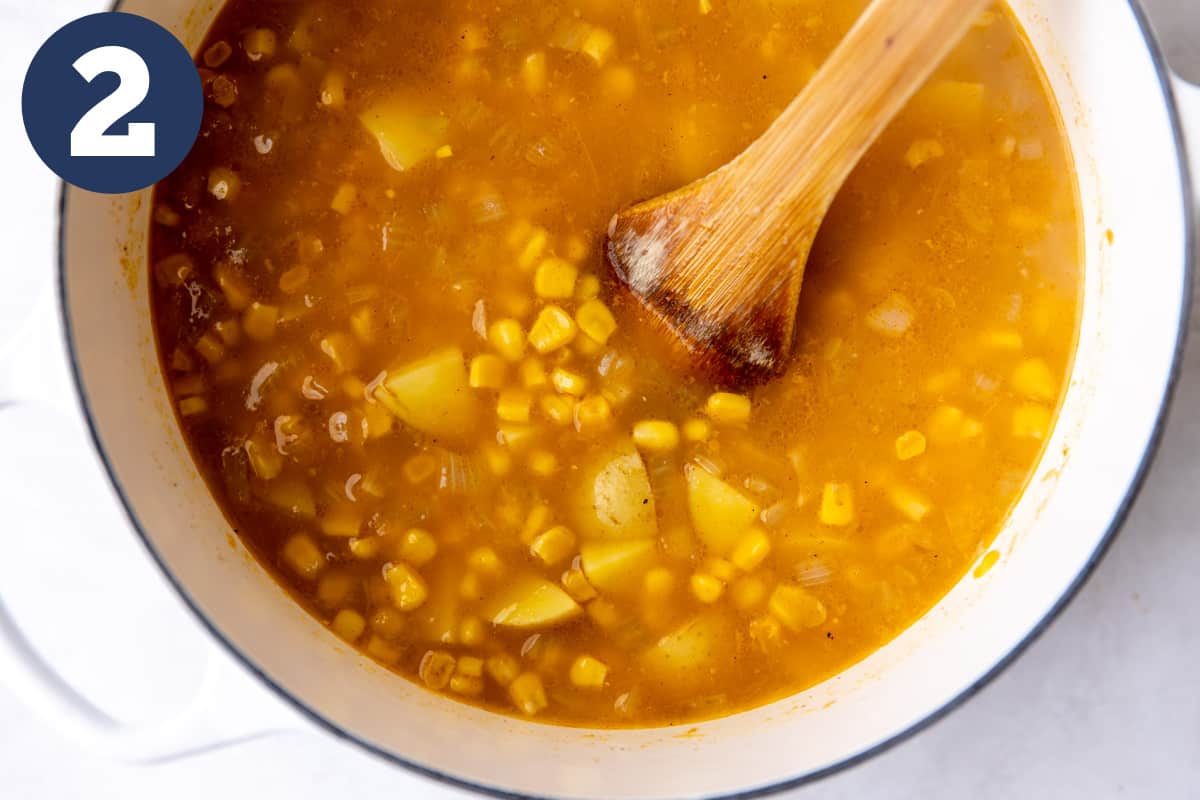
(1119, 104)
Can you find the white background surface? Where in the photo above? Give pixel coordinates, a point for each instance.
(1105, 704)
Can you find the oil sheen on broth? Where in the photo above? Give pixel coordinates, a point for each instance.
(398, 358)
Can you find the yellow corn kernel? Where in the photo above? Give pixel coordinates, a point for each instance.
(487, 371)
(293, 279)
(567, 382)
(333, 89)
(535, 245)
(378, 649)
(259, 43)
(618, 83)
(467, 685)
(527, 693)
(944, 425)
(942, 382)
(365, 547)
(596, 320)
(658, 582)
(598, 45)
(604, 613)
(224, 184)
(795, 607)
(577, 585)
(259, 320)
(233, 286)
(342, 351)
(588, 287)
(533, 73)
(508, 338)
(552, 329)
(470, 587)
(342, 521)
(725, 408)
(353, 386)
(747, 592)
(1006, 340)
(1031, 421)
(751, 550)
(503, 668)
(543, 463)
(909, 445)
(766, 633)
(210, 348)
(706, 588)
(228, 331)
(554, 546)
(705, 7)
(388, 622)
(922, 151)
(344, 199)
(419, 468)
(910, 502)
(559, 409)
(471, 633)
(719, 568)
(593, 413)
(418, 547)
(513, 405)
(485, 561)
(408, 588)
(436, 668)
(191, 406)
(554, 279)
(265, 460)
(445, 151)
(970, 428)
(498, 460)
(1033, 379)
(586, 346)
(304, 557)
(535, 522)
(697, 430)
(837, 504)
(532, 373)
(349, 625)
(656, 435)
(588, 673)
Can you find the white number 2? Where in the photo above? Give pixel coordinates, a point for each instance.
(88, 137)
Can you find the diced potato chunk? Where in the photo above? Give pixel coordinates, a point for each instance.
(1031, 421)
(406, 137)
(528, 694)
(588, 673)
(720, 513)
(796, 607)
(688, 656)
(303, 556)
(1033, 379)
(432, 394)
(530, 602)
(615, 500)
(616, 565)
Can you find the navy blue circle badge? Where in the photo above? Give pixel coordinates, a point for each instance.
(112, 102)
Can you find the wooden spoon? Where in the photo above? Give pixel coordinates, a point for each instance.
(719, 262)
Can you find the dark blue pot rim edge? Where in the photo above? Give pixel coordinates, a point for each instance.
(1168, 95)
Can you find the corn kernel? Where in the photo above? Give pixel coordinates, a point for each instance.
(559, 409)
(555, 279)
(503, 668)
(342, 521)
(543, 463)
(596, 320)
(191, 406)
(706, 588)
(387, 622)
(486, 372)
(567, 382)
(587, 288)
(304, 557)
(656, 435)
(535, 245)
(533, 73)
(513, 405)
(344, 199)
(210, 348)
(508, 338)
(598, 45)
(527, 693)
(1010, 341)
(516, 435)
(341, 350)
(418, 547)
(553, 546)
(944, 425)
(593, 413)
(728, 409)
(719, 568)
(751, 550)
(536, 522)
(378, 649)
(970, 428)
(419, 468)
(1031, 421)
(467, 685)
(365, 547)
(586, 346)
(259, 44)
(408, 588)
(795, 607)
(658, 582)
(747, 592)
(618, 83)
(837, 504)
(604, 613)
(532, 373)
(766, 633)
(910, 502)
(577, 585)
(697, 430)
(293, 279)
(552, 329)
(1033, 379)
(485, 561)
(436, 668)
(333, 89)
(349, 625)
(498, 460)
(470, 587)
(224, 184)
(909, 445)
(259, 320)
(705, 7)
(471, 633)
(588, 672)
(445, 151)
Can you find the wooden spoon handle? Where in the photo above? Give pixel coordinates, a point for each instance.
(819, 138)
